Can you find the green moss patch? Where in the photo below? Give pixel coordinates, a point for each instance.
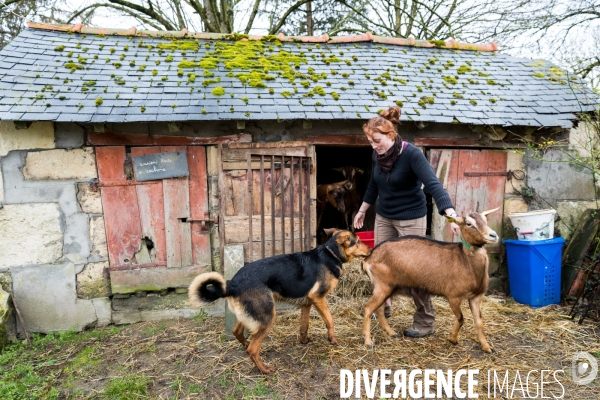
(250, 58)
(72, 66)
(218, 91)
(181, 45)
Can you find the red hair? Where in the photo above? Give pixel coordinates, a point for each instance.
(385, 123)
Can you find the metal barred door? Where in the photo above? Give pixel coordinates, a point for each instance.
(268, 198)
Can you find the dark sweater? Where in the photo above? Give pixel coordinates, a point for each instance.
(401, 197)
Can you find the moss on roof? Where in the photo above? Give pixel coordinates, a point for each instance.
(238, 63)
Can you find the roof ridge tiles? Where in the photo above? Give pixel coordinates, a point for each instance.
(184, 33)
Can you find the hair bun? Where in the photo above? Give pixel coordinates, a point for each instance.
(392, 114)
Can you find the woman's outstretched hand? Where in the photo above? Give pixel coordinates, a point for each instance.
(359, 220)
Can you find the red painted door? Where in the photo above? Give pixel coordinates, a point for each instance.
(475, 181)
(156, 235)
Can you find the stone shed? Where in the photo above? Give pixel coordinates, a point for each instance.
(132, 160)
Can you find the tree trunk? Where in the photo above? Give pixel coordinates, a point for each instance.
(309, 20)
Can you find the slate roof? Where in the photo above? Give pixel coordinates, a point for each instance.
(58, 73)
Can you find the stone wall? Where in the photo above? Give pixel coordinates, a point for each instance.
(52, 237)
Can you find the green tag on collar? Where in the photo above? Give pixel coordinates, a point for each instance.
(467, 245)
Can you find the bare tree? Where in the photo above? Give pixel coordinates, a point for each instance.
(315, 18)
(565, 30)
(465, 20)
(224, 16)
(13, 14)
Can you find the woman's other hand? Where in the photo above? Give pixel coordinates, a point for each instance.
(451, 212)
(455, 229)
(359, 220)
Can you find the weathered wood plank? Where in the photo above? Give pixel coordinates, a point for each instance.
(152, 211)
(241, 154)
(266, 145)
(236, 228)
(456, 142)
(178, 233)
(112, 138)
(469, 193)
(199, 204)
(483, 192)
(152, 279)
(234, 193)
(121, 212)
(240, 165)
(256, 246)
(446, 169)
(348, 140)
(222, 207)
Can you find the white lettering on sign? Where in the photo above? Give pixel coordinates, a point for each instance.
(154, 169)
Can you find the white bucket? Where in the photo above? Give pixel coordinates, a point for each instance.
(534, 225)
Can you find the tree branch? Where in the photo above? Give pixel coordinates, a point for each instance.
(147, 11)
(7, 3)
(252, 16)
(208, 25)
(290, 10)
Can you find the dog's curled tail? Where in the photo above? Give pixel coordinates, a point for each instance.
(206, 288)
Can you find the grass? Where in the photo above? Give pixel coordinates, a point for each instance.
(133, 386)
(30, 372)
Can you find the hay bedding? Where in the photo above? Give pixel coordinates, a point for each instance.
(192, 359)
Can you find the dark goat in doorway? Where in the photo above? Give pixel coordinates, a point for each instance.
(352, 199)
(332, 193)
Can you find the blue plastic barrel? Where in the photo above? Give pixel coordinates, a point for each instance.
(534, 268)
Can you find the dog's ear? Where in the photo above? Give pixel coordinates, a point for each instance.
(330, 231)
(343, 238)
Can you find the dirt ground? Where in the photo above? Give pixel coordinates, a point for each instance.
(191, 358)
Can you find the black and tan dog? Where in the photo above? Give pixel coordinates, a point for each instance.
(304, 279)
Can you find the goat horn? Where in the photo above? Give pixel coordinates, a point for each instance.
(489, 211)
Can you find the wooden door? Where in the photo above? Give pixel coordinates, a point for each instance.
(157, 231)
(475, 181)
(267, 201)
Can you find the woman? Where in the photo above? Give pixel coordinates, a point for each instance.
(399, 172)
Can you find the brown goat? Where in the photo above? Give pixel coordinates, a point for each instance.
(352, 199)
(454, 270)
(332, 193)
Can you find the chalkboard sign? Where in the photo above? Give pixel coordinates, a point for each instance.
(160, 165)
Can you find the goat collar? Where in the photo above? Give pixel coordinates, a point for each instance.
(467, 245)
(334, 255)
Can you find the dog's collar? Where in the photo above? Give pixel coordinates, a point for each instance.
(334, 255)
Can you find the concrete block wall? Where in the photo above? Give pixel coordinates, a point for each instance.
(52, 237)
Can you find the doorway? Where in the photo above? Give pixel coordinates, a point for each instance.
(331, 157)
